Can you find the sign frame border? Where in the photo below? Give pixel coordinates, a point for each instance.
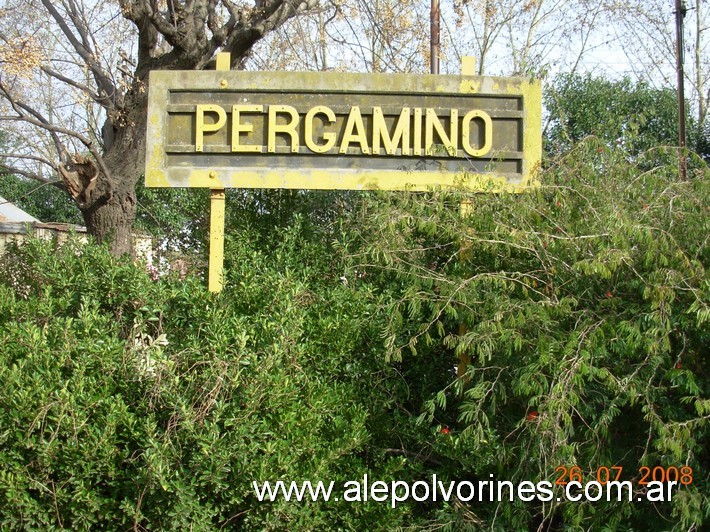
(161, 82)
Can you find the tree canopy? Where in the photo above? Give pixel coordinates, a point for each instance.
(634, 116)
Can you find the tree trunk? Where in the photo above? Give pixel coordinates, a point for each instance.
(110, 210)
(111, 221)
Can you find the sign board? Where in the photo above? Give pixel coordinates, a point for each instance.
(314, 130)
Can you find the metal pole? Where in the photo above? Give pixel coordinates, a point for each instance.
(435, 37)
(680, 11)
(217, 215)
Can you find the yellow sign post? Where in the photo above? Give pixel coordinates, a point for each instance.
(217, 217)
(325, 130)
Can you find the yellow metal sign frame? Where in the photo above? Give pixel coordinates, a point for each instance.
(188, 109)
(195, 159)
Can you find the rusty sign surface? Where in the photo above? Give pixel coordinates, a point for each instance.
(222, 129)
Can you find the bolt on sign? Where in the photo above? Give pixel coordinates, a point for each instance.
(314, 130)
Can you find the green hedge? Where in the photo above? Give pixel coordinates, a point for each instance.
(127, 401)
(583, 307)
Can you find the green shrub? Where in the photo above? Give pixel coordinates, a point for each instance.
(130, 400)
(583, 308)
(133, 402)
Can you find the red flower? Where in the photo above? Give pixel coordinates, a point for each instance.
(678, 365)
(445, 430)
(608, 294)
(532, 415)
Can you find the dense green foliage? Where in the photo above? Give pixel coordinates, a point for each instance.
(47, 203)
(586, 315)
(179, 218)
(127, 401)
(632, 116)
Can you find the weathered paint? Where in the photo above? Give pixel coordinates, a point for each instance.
(468, 66)
(367, 149)
(215, 271)
(217, 211)
(319, 130)
(532, 137)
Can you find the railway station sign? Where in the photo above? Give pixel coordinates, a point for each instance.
(313, 130)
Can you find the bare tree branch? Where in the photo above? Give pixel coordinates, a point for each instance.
(84, 88)
(32, 116)
(24, 173)
(101, 76)
(39, 121)
(35, 158)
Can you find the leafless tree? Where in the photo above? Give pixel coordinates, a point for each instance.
(520, 37)
(354, 36)
(74, 86)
